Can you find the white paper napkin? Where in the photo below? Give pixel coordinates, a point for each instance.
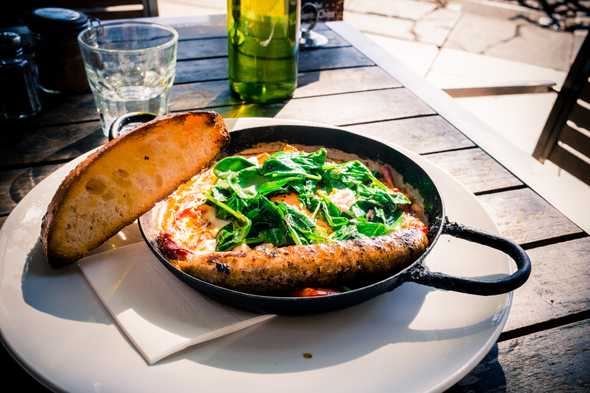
(159, 314)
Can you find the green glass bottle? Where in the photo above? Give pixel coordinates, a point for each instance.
(263, 48)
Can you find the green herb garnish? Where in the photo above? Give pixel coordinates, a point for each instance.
(243, 191)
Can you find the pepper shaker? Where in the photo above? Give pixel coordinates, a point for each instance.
(18, 95)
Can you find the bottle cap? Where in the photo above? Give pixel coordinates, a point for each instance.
(58, 21)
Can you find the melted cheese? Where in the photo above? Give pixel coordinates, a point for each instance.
(343, 198)
(192, 224)
(215, 224)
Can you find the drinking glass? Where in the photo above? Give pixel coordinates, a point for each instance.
(130, 67)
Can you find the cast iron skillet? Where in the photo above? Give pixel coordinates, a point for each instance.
(416, 272)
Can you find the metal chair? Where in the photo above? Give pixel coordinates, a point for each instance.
(565, 139)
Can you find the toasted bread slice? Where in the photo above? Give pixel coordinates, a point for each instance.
(125, 178)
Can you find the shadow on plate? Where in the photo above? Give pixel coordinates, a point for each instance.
(487, 376)
(62, 292)
(284, 344)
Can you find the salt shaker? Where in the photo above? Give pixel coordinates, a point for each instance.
(18, 95)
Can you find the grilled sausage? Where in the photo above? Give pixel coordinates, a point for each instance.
(280, 269)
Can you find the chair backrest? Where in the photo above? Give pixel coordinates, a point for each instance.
(565, 139)
(107, 9)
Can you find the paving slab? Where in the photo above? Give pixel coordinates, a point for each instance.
(415, 55)
(455, 68)
(535, 45)
(518, 118)
(435, 27)
(382, 25)
(404, 9)
(476, 33)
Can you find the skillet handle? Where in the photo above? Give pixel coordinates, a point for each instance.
(443, 281)
(117, 127)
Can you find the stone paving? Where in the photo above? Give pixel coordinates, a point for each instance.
(484, 28)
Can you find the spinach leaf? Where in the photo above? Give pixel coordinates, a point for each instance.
(378, 197)
(346, 232)
(234, 233)
(331, 213)
(371, 229)
(349, 174)
(275, 236)
(230, 236)
(307, 165)
(229, 165)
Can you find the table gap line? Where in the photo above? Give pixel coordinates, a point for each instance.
(554, 240)
(340, 68)
(200, 81)
(215, 37)
(201, 58)
(224, 56)
(36, 164)
(291, 99)
(501, 189)
(449, 150)
(308, 70)
(544, 325)
(388, 119)
(83, 121)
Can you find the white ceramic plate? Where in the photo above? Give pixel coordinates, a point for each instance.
(414, 339)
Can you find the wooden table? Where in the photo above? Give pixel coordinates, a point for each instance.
(545, 345)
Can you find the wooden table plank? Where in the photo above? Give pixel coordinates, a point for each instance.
(217, 47)
(321, 59)
(421, 135)
(15, 184)
(475, 169)
(68, 141)
(558, 285)
(313, 83)
(525, 217)
(339, 109)
(201, 27)
(210, 26)
(209, 94)
(56, 143)
(554, 360)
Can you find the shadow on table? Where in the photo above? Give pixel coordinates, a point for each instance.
(487, 376)
(265, 110)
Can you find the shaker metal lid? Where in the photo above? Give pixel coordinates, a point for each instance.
(10, 45)
(53, 20)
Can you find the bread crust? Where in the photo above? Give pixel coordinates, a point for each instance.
(215, 144)
(281, 269)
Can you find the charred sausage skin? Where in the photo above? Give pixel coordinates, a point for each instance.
(280, 269)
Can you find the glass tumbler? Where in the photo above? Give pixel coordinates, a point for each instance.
(130, 67)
